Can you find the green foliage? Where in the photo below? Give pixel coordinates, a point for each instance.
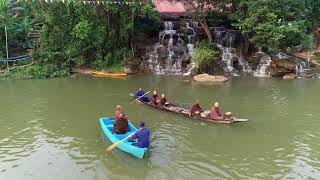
(205, 53)
(18, 22)
(307, 42)
(82, 30)
(97, 36)
(274, 24)
(117, 58)
(317, 58)
(38, 71)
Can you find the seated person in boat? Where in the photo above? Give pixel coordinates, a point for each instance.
(141, 137)
(163, 101)
(195, 109)
(144, 98)
(216, 114)
(154, 100)
(120, 125)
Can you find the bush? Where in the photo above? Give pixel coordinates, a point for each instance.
(307, 41)
(205, 53)
(38, 71)
(116, 59)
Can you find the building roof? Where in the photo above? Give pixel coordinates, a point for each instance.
(173, 8)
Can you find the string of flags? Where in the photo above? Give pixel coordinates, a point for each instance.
(87, 2)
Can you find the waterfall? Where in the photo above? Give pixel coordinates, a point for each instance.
(301, 67)
(263, 68)
(225, 41)
(190, 48)
(191, 38)
(169, 54)
(227, 56)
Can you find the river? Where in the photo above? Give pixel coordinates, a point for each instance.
(49, 130)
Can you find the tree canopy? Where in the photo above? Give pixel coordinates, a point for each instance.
(274, 24)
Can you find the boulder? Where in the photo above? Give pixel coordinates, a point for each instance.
(143, 69)
(280, 68)
(286, 64)
(289, 76)
(278, 72)
(209, 78)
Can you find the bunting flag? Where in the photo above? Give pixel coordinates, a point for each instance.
(88, 2)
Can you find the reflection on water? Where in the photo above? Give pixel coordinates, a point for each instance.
(50, 130)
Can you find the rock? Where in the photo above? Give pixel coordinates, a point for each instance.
(143, 69)
(162, 51)
(278, 72)
(128, 70)
(280, 68)
(186, 30)
(209, 78)
(81, 70)
(297, 48)
(289, 76)
(314, 62)
(260, 54)
(137, 61)
(286, 64)
(186, 58)
(316, 53)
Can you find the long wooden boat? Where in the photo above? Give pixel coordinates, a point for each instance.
(107, 128)
(184, 111)
(108, 74)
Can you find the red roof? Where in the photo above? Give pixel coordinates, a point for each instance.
(174, 8)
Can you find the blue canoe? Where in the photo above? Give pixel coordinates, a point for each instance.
(107, 128)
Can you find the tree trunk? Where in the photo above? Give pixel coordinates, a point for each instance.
(246, 47)
(205, 27)
(132, 33)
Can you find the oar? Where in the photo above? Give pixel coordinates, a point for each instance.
(240, 120)
(140, 97)
(110, 148)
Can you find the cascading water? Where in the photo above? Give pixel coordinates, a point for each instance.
(263, 69)
(301, 67)
(167, 56)
(225, 41)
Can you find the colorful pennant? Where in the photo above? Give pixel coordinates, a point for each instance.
(87, 2)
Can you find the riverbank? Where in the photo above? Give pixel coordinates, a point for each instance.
(35, 71)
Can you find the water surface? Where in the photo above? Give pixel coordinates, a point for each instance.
(49, 130)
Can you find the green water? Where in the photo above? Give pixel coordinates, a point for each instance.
(49, 130)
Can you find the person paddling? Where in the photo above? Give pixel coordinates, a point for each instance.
(141, 136)
(216, 114)
(120, 125)
(163, 101)
(154, 100)
(143, 99)
(195, 109)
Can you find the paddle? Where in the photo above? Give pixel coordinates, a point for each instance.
(110, 148)
(140, 97)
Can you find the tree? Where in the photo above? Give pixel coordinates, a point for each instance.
(95, 35)
(199, 10)
(271, 24)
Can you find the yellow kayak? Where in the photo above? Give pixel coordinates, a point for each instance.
(108, 74)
